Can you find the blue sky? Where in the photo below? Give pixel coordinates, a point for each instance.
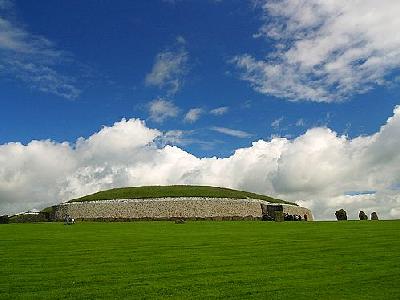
(108, 49)
(208, 77)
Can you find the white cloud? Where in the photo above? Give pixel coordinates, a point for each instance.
(43, 78)
(160, 110)
(180, 40)
(246, 104)
(317, 169)
(169, 69)
(193, 115)
(182, 138)
(32, 59)
(231, 132)
(325, 50)
(277, 123)
(219, 111)
(173, 137)
(300, 122)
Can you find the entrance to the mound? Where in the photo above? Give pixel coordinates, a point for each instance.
(272, 212)
(276, 213)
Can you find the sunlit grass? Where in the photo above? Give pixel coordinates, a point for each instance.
(300, 260)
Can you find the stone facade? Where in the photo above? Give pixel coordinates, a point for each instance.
(297, 210)
(169, 208)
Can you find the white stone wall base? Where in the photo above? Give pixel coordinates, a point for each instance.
(170, 208)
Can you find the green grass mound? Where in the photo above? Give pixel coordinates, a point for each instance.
(174, 191)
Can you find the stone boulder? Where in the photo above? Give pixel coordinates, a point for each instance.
(279, 217)
(374, 216)
(4, 219)
(288, 217)
(341, 215)
(267, 218)
(362, 216)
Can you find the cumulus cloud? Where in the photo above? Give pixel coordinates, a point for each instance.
(33, 59)
(231, 132)
(193, 115)
(219, 111)
(325, 50)
(160, 109)
(317, 169)
(174, 137)
(170, 67)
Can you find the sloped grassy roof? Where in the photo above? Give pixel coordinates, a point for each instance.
(174, 191)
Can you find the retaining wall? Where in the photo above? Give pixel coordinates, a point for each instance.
(169, 208)
(297, 210)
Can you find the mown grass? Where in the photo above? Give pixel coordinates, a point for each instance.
(264, 260)
(174, 191)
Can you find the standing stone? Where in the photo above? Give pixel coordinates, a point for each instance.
(362, 216)
(279, 217)
(374, 216)
(341, 215)
(4, 219)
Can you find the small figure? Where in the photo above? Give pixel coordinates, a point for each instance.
(68, 220)
(288, 217)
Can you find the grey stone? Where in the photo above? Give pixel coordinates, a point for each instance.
(362, 216)
(374, 216)
(341, 215)
(279, 216)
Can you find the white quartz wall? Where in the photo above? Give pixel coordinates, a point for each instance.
(160, 208)
(297, 210)
(166, 208)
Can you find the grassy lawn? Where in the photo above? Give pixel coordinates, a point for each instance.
(298, 260)
(174, 191)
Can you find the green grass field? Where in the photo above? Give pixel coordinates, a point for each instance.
(174, 191)
(297, 260)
